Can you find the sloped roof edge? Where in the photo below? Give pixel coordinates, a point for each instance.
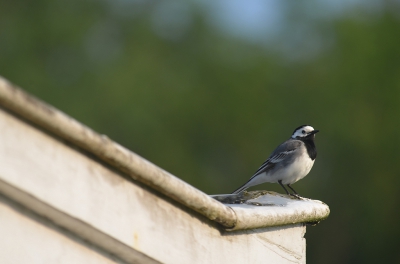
(52, 120)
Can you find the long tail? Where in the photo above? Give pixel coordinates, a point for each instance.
(241, 189)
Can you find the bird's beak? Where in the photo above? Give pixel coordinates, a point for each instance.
(313, 132)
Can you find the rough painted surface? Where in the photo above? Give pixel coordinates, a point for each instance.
(100, 146)
(26, 240)
(73, 183)
(253, 209)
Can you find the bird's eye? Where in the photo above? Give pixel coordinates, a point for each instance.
(303, 131)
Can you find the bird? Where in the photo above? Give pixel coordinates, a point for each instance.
(290, 162)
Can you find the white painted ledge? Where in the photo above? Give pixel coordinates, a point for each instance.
(232, 217)
(105, 208)
(274, 209)
(26, 228)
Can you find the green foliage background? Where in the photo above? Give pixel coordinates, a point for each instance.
(209, 107)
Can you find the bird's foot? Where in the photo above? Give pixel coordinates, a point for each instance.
(296, 195)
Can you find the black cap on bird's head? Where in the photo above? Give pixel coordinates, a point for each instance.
(304, 132)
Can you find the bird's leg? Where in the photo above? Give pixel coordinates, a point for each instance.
(280, 182)
(295, 194)
(291, 188)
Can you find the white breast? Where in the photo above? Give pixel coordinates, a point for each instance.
(296, 171)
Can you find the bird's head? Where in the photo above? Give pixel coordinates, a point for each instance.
(304, 132)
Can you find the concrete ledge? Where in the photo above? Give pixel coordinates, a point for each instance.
(231, 217)
(123, 217)
(54, 121)
(81, 229)
(265, 208)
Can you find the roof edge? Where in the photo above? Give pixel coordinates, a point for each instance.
(18, 101)
(58, 123)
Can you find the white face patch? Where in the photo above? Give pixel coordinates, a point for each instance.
(302, 131)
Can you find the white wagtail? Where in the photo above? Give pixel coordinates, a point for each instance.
(291, 161)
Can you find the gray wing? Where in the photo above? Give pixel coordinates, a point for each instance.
(284, 150)
(280, 153)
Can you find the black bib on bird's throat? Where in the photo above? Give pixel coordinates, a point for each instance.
(311, 149)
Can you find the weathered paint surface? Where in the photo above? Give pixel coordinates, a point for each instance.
(100, 146)
(276, 209)
(25, 239)
(133, 215)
